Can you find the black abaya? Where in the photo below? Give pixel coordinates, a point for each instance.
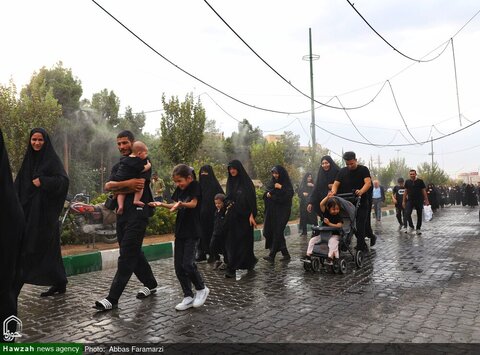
(277, 211)
(11, 231)
(305, 216)
(242, 200)
(210, 187)
(41, 261)
(324, 178)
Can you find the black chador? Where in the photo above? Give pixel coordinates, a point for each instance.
(41, 261)
(210, 187)
(242, 203)
(305, 191)
(11, 231)
(324, 178)
(278, 206)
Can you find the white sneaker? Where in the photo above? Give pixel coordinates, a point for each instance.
(201, 297)
(411, 230)
(185, 304)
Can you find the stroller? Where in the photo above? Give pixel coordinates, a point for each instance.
(349, 204)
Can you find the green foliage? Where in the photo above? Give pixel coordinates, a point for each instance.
(134, 122)
(264, 157)
(260, 218)
(108, 104)
(295, 214)
(432, 174)
(182, 127)
(19, 116)
(162, 222)
(295, 208)
(64, 87)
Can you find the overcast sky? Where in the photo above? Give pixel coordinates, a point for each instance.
(354, 64)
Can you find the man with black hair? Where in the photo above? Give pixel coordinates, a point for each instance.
(415, 197)
(131, 226)
(356, 178)
(397, 197)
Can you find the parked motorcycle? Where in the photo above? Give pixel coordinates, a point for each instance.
(90, 221)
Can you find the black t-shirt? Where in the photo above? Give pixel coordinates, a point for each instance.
(334, 219)
(130, 168)
(187, 224)
(219, 222)
(414, 189)
(398, 192)
(129, 208)
(351, 180)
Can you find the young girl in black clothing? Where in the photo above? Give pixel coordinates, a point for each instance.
(186, 199)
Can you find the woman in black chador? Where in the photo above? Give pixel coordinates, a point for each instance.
(326, 177)
(210, 187)
(11, 231)
(304, 192)
(42, 186)
(278, 206)
(241, 205)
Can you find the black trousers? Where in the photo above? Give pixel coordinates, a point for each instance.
(185, 267)
(130, 234)
(217, 246)
(409, 207)
(278, 244)
(363, 213)
(400, 214)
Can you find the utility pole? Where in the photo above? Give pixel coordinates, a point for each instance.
(431, 150)
(311, 57)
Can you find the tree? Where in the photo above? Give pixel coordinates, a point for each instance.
(182, 128)
(293, 154)
(59, 81)
(19, 116)
(239, 144)
(264, 157)
(108, 104)
(432, 174)
(133, 122)
(65, 88)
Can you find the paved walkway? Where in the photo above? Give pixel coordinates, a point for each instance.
(412, 289)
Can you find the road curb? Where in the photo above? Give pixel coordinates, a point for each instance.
(107, 259)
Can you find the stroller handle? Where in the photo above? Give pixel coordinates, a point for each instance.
(346, 195)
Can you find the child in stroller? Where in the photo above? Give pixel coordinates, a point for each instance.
(330, 208)
(334, 235)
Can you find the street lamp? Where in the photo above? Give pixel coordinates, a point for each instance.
(311, 57)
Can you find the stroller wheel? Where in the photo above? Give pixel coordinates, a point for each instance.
(307, 266)
(342, 266)
(359, 258)
(336, 266)
(316, 264)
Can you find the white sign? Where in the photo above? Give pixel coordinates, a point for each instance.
(7, 335)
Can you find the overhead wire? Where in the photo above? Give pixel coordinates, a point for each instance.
(403, 54)
(188, 73)
(400, 145)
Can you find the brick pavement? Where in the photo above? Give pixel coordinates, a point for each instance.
(411, 289)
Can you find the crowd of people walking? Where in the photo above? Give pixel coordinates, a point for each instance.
(210, 223)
